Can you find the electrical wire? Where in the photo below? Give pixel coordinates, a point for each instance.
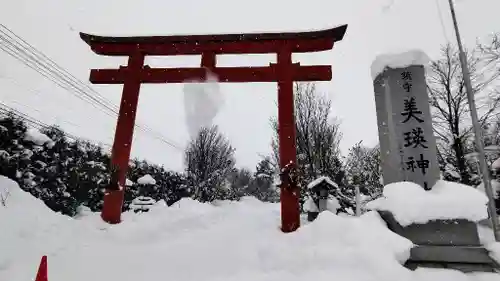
(27, 54)
(440, 13)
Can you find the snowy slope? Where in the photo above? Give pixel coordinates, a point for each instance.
(193, 241)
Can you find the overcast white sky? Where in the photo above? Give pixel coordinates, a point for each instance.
(52, 26)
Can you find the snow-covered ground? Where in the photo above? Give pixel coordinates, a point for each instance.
(193, 241)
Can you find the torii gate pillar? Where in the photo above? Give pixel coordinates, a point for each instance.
(285, 72)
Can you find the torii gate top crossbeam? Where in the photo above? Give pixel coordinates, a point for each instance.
(297, 42)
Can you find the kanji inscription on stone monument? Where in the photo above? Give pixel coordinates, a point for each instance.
(407, 142)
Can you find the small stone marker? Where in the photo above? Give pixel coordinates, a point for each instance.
(407, 143)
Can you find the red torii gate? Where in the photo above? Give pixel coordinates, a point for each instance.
(285, 72)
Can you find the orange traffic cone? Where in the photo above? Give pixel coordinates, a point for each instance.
(42, 270)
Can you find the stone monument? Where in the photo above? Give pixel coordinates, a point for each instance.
(407, 143)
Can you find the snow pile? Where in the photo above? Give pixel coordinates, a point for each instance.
(401, 60)
(30, 229)
(494, 249)
(128, 182)
(487, 239)
(310, 206)
(496, 164)
(195, 241)
(332, 204)
(34, 136)
(146, 179)
(202, 101)
(495, 186)
(410, 203)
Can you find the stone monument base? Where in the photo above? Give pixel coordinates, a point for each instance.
(452, 244)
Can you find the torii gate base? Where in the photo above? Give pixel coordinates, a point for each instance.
(285, 72)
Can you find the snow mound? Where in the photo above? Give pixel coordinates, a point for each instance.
(494, 249)
(401, 60)
(410, 203)
(332, 204)
(34, 136)
(496, 164)
(310, 206)
(128, 182)
(495, 186)
(146, 179)
(29, 228)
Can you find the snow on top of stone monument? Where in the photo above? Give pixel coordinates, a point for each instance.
(146, 179)
(320, 180)
(410, 203)
(399, 60)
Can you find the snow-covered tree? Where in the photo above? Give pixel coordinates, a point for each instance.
(262, 185)
(69, 175)
(448, 98)
(363, 169)
(317, 136)
(209, 158)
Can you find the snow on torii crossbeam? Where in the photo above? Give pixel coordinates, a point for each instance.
(284, 72)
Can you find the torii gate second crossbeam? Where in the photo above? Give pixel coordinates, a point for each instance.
(284, 72)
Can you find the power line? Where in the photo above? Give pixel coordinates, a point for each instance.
(36, 60)
(38, 56)
(442, 21)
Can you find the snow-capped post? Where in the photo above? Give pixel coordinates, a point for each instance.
(407, 142)
(285, 72)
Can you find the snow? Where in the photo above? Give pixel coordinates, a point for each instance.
(310, 206)
(495, 186)
(410, 203)
(146, 179)
(128, 182)
(487, 239)
(332, 204)
(202, 101)
(320, 180)
(400, 60)
(494, 249)
(492, 148)
(450, 170)
(34, 136)
(142, 200)
(195, 241)
(496, 164)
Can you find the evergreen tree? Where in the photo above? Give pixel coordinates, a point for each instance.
(66, 173)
